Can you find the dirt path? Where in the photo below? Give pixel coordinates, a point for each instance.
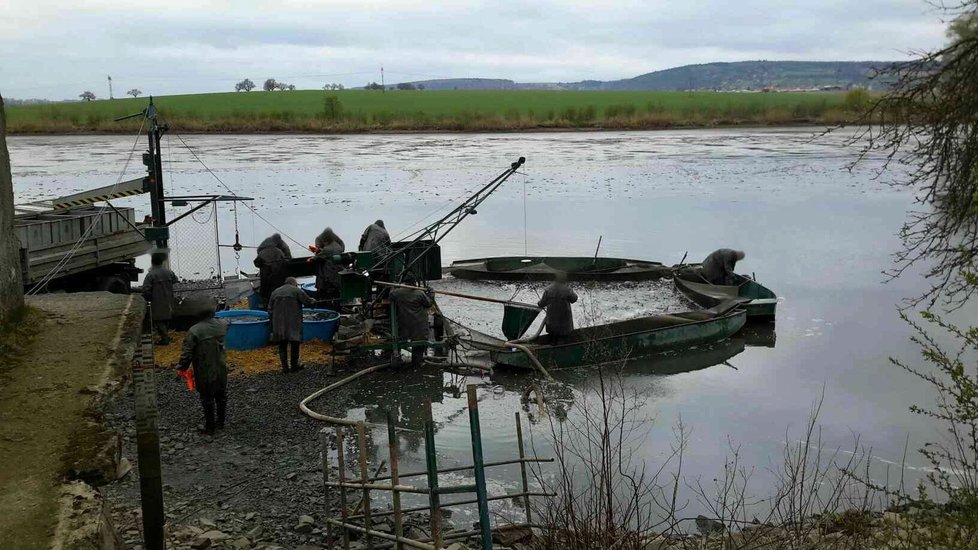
(46, 402)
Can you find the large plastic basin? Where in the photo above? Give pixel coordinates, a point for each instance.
(309, 289)
(320, 330)
(242, 334)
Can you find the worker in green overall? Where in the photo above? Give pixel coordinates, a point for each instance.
(203, 348)
(285, 312)
(718, 267)
(158, 290)
(328, 244)
(412, 316)
(375, 237)
(557, 300)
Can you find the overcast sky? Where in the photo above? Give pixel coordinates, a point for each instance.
(56, 49)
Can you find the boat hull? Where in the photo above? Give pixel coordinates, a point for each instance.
(543, 268)
(708, 296)
(626, 340)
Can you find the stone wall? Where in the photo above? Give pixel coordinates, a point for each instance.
(11, 288)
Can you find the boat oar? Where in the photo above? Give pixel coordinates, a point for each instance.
(595, 262)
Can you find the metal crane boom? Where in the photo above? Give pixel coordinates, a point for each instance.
(435, 232)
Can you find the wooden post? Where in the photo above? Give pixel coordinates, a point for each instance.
(148, 438)
(324, 440)
(526, 485)
(396, 497)
(365, 479)
(431, 460)
(341, 465)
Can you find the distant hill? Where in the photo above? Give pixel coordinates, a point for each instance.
(741, 75)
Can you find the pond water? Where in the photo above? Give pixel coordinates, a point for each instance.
(815, 232)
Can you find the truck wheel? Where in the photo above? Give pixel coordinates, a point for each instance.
(115, 285)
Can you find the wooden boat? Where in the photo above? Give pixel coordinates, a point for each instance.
(626, 340)
(543, 268)
(759, 301)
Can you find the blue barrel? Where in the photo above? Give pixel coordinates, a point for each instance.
(246, 334)
(320, 330)
(309, 289)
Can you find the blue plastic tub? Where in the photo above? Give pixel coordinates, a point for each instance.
(309, 289)
(246, 334)
(255, 301)
(320, 330)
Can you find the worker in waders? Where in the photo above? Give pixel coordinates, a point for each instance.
(203, 349)
(285, 312)
(718, 267)
(557, 300)
(277, 242)
(272, 271)
(327, 271)
(375, 237)
(412, 306)
(158, 290)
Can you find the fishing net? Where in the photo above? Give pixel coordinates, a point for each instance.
(194, 252)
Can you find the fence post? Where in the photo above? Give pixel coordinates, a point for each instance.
(431, 460)
(526, 485)
(365, 479)
(480, 471)
(148, 436)
(341, 465)
(324, 440)
(396, 497)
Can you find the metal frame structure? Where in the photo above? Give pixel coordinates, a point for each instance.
(363, 521)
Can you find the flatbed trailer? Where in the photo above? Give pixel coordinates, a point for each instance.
(68, 244)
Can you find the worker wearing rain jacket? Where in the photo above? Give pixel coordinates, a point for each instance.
(158, 290)
(328, 236)
(412, 317)
(203, 349)
(328, 271)
(375, 237)
(718, 267)
(557, 300)
(271, 264)
(276, 241)
(285, 312)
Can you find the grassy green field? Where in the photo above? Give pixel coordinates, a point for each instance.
(492, 110)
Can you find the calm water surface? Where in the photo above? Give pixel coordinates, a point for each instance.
(815, 232)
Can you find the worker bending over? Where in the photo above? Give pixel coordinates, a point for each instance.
(374, 237)
(557, 300)
(328, 244)
(718, 267)
(158, 291)
(203, 348)
(285, 312)
(412, 306)
(277, 242)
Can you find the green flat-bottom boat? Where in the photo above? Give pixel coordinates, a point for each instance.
(543, 268)
(625, 340)
(759, 300)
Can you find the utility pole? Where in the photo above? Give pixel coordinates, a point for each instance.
(110, 86)
(383, 87)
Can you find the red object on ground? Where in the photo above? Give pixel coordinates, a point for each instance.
(188, 375)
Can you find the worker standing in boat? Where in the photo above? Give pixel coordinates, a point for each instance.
(158, 290)
(412, 306)
(271, 264)
(718, 267)
(328, 236)
(203, 348)
(328, 244)
(285, 312)
(277, 242)
(374, 237)
(557, 300)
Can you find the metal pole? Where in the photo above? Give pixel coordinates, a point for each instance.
(341, 464)
(148, 438)
(396, 497)
(326, 488)
(396, 352)
(431, 460)
(365, 479)
(480, 471)
(526, 486)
